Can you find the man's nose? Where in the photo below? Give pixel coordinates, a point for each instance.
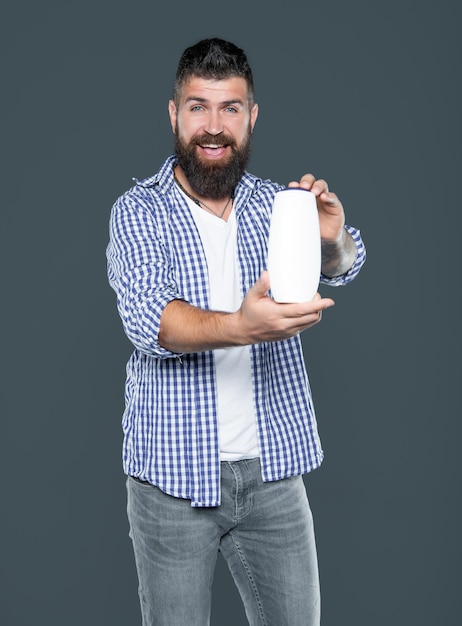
(214, 125)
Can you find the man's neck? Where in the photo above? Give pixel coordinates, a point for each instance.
(220, 207)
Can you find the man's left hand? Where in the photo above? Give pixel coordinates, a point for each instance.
(330, 209)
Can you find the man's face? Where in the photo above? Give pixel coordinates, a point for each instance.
(212, 124)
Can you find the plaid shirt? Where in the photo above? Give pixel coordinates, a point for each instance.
(170, 426)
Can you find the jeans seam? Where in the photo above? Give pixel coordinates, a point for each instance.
(250, 578)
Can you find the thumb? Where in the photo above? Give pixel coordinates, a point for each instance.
(262, 285)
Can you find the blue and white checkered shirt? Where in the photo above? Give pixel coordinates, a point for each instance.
(154, 256)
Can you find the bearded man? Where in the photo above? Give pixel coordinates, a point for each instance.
(219, 425)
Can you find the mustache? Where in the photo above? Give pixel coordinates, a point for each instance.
(213, 140)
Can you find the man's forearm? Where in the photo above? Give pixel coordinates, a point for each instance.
(185, 328)
(338, 256)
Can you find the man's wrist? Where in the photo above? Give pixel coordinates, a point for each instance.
(338, 255)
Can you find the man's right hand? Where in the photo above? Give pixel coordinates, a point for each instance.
(262, 319)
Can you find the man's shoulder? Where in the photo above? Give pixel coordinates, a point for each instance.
(163, 176)
(146, 189)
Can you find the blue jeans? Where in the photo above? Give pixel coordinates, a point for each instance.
(264, 531)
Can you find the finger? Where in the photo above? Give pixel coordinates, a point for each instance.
(326, 304)
(319, 312)
(329, 198)
(320, 186)
(306, 181)
(310, 321)
(308, 310)
(317, 319)
(260, 288)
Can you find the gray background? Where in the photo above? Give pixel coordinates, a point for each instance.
(365, 94)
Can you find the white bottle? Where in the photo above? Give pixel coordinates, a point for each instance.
(294, 246)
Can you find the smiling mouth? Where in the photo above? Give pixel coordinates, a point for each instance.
(212, 151)
(212, 146)
(221, 141)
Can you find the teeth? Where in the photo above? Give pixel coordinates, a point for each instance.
(212, 146)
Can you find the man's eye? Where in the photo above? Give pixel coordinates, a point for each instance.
(231, 110)
(196, 107)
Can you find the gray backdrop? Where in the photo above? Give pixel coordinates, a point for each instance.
(365, 94)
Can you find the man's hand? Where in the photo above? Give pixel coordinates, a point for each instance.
(330, 209)
(338, 247)
(262, 319)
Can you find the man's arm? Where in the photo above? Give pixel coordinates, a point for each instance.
(185, 328)
(339, 255)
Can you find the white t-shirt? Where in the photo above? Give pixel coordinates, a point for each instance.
(236, 414)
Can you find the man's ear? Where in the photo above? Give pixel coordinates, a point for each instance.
(253, 115)
(172, 112)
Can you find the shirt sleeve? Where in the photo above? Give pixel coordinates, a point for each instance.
(338, 281)
(140, 272)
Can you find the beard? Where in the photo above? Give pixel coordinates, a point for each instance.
(213, 179)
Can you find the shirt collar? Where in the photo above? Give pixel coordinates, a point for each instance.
(163, 178)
